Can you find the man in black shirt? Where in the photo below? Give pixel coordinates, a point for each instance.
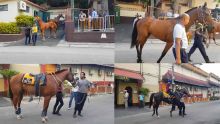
(27, 35)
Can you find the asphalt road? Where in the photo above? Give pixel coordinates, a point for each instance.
(65, 54)
(197, 113)
(99, 110)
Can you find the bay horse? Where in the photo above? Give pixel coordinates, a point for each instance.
(163, 29)
(57, 19)
(157, 98)
(212, 29)
(17, 90)
(44, 26)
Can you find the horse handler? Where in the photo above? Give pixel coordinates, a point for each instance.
(59, 99)
(83, 88)
(34, 34)
(199, 38)
(180, 42)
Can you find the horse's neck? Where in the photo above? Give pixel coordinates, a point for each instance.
(61, 76)
(193, 16)
(40, 22)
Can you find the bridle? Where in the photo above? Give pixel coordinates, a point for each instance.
(201, 16)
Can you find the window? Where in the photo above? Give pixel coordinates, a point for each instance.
(27, 9)
(4, 7)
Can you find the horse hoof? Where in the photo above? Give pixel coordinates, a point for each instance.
(44, 120)
(18, 117)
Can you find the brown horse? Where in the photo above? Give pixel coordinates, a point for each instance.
(163, 29)
(44, 26)
(214, 27)
(17, 89)
(57, 19)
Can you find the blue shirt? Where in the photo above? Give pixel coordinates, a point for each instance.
(141, 97)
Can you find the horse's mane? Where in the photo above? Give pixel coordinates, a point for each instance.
(191, 9)
(58, 72)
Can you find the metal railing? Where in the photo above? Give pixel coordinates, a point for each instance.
(96, 24)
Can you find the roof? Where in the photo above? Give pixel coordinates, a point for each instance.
(211, 83)
(128, 73)
(185, 79)
(35, 5)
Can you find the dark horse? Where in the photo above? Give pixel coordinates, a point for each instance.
(163, 29)
(53, 80)
(157, 98)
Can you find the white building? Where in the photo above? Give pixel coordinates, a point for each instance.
(9, 9)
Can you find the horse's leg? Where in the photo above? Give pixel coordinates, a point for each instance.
(50, 33)
(15, 103)
(43, 35)
(154, 108)
(142, 40)
(157, 111)
(19, 105)
(45, 107)
(167, 47)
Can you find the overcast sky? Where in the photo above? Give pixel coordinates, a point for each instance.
(214, 68)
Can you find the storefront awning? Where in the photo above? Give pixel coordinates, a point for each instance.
(129, 74)
(211, 83)
(185, 79)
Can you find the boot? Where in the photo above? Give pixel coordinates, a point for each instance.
(207, 60)
(189, 58)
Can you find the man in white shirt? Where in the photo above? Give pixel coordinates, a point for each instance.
(126, 95)
(180, 43)
(82, 19)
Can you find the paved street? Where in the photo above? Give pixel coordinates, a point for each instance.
(153, 49)
(77, 53)
(198, 113)
(99, 110)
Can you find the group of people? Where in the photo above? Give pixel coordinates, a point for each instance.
(79, 93)
(90, 21)
(31, 33)
(180, 43)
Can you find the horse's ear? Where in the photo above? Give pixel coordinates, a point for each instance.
(205, 5)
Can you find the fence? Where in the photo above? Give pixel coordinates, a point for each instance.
(96, 24)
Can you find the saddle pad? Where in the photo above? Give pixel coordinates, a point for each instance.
(28, 79)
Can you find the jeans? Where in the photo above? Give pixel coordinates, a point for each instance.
(59, 99)
(27, 39)
(183, 54)
(34, 38)
(79, 103)
(73, 95)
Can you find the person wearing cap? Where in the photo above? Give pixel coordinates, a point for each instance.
(180, 43)
(199, 38)
(73, 94)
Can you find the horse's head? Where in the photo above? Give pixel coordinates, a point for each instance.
(204, 14)
(70, 76)
(185, 91)
(37, 18)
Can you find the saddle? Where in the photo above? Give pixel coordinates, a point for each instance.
(35, 80)
(28, 79)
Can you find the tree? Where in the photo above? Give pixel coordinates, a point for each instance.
(7, 74)
(144, 91)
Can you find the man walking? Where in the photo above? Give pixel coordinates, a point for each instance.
(27, 35)
(180, 42)
(34, 34)
(198, 43)
(83, 88)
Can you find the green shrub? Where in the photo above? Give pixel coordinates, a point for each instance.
(144, 91)
(24, 20)
(9, 28)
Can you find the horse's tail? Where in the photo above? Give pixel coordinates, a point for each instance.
(151, 100)
(10, 91)
(134, 35)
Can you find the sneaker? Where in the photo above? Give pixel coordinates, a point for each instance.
(80, 115)
(74, 116)
(58, 114)
(69, 108)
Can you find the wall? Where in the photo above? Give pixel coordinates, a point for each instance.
(121, 87)
(2, 84)
(26, 68)
(210, 3)
(9, 16)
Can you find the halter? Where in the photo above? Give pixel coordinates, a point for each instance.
(57, 79)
